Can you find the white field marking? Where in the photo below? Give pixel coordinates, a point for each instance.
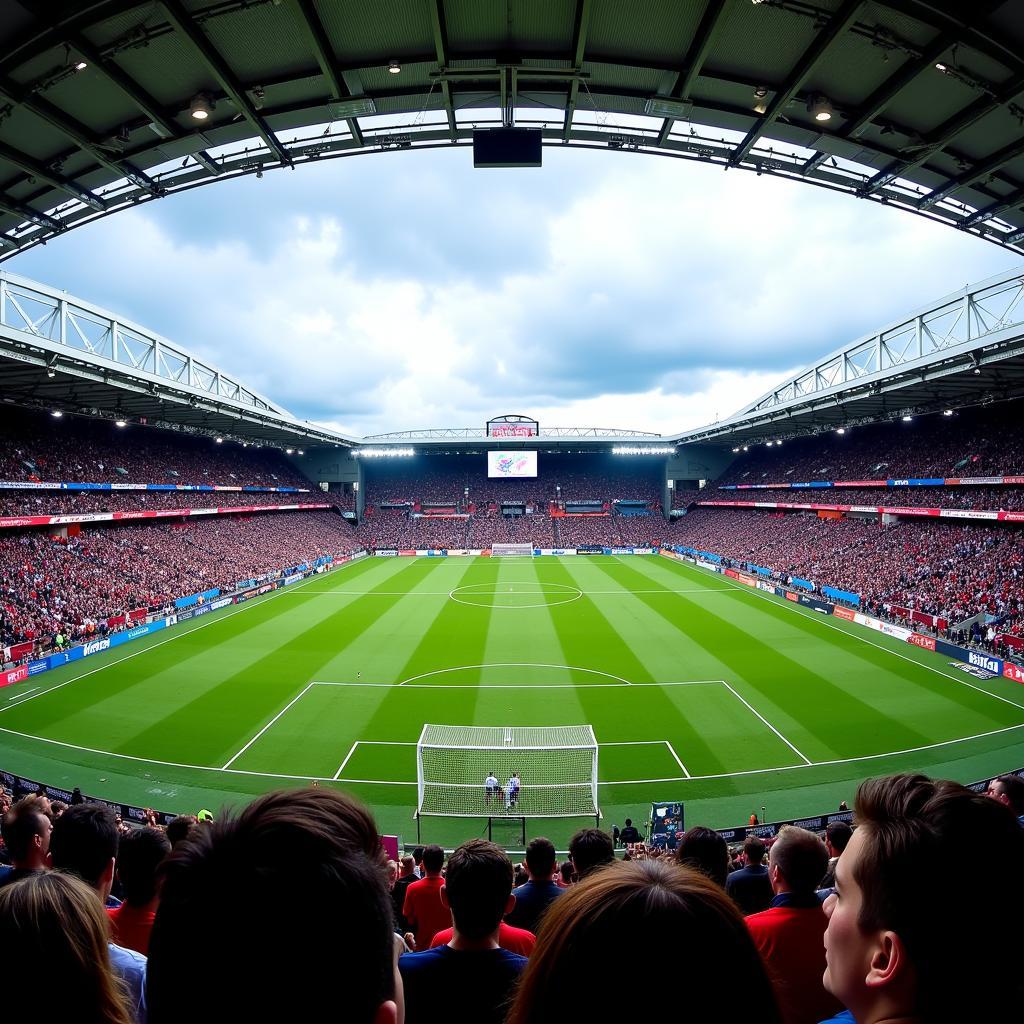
(294, 699)
(447, 593)
(672, 751)
(739, 697)
(517, 664)
(24, 693)
(177, 636)
(568, 593)
(341, 767)
(623, 782)
(815, 617)
(515, 686)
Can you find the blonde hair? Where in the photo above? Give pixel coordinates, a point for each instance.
(53, 927)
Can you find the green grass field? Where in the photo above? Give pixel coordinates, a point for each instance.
(697, 689)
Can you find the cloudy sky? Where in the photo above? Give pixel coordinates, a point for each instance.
(406, 290)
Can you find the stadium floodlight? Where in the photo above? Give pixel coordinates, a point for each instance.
(289, 451)
(301, 452)
(908, 419)
(394, 68)
(220, 440)
(840, 430)
(383, 453)
(200, 108)
(820, 108)
(947, 412)
(735, 450)
(56, 414)
(556, 768)
(120, 423)
(625, 449)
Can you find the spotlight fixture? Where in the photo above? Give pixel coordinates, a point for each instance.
(947, 412)
(120, 423)
(51, 372)
(220, 440)
(746, 447)
(977, 370)
(301, 452)
(735, 450)
(939, 66)
(81, 65)
(56, 414)
(760, 100)
(289, 451)
(200, 107)
(840, 430)
(394, 68)
(908, 419)
(820, 108)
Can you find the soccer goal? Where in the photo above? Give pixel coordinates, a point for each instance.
(516, 771)
(505, 550)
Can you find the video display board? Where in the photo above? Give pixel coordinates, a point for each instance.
(511, 465)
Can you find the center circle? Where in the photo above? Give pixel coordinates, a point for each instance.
(524, 594)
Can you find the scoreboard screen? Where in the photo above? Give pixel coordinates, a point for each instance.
(511, 465)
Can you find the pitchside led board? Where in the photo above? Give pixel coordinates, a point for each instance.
(511, 465)
(666, 825)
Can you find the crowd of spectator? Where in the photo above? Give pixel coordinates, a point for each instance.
(972, 443)
(71, 586)
(37, 447)
(948, 570)
(1008, 498)
(609, 531)
(288, 906)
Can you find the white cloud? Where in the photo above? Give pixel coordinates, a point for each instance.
(648, 295)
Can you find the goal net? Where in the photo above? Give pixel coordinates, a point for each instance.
(498, 550)
(534, 772)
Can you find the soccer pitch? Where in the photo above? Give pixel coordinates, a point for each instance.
(697, 689)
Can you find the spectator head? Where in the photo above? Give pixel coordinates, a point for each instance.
(57, 808)
(753, 850)
(139, 855)
(26, 830)
(797, 862)
(629, 821)
(566, 872)
(391, 873)
(408, 866)
(1008, 790)
(704, 849)
(478, 889)
(837, 836)
(52, 926)
(691, 933)
(180, 827)
(590, 849)
(417, 855)
(432, 859)
(84, 842)
(922, 893)
(540, 858)
(275, 901)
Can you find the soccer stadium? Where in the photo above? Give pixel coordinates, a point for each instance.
(509, 629)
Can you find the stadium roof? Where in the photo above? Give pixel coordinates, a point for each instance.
(966, 349)
(105, 104)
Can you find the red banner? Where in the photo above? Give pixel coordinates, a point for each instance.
(895, 510)
(920, 640)
(137, 614)
(1015, 642)
(1014, 672)
(18, 651)
(107, 517)
(844, 613)
(14, 675)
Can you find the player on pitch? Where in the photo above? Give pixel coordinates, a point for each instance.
(492, 788)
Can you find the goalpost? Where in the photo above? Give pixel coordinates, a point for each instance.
(502, 550)
(556, 768)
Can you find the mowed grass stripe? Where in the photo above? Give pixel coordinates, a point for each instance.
(210, 728)
(157, 680)
(588, 639)
(815, 714)
(901, 679)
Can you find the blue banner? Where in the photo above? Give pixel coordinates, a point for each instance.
(930, 481)
(796, 581)
(206, 595)
(759, 569)
(841, 595)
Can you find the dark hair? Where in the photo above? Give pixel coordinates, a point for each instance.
(1013, 790)
(432, 859)
(838, 835)
(53, 932)
(801, 858)
(417, 854)
(753, 849)
(477, 885)
(692, 933)
(289, 892)
(590, 849)
(914, 829)
(84, 841)
(21, 824)
(629, 821)
(180, 827)
(704, 849)
(540, 857)
(139, 855)
(566, 870)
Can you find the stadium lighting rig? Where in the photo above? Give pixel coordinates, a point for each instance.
(383, 453)
(623, 449)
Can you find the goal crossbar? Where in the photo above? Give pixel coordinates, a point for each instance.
(518, 771)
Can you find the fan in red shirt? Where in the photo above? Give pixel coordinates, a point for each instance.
(139, 855)
(423, 908)
(515, 940)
